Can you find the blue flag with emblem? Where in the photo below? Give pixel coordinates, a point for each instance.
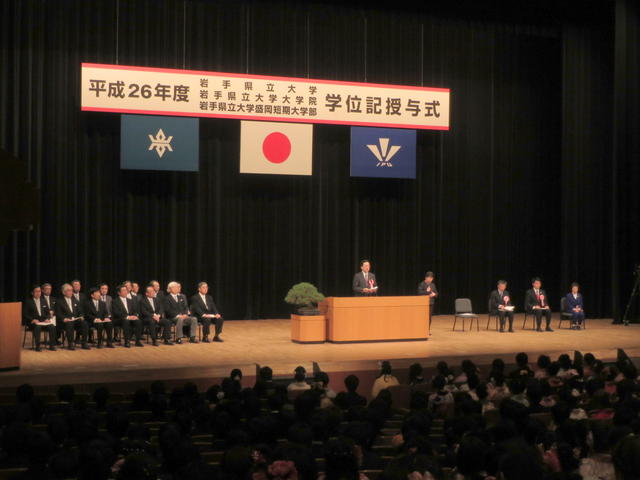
(383, 152)
(151, 142)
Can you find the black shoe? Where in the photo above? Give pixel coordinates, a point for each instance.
(38, 349)
(538, 329)
(86, 347)
(155, 343)
(549, 329)
(168, 342)
(71, 347)
(139, 344)
(59, 343)
(193, 340)
(52, 348)
(206, 339)
(99, 345)
(127, 345)
(501, 330)
(110, 345)
(217, 339)
(179, 341)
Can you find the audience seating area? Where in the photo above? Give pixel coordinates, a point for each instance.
(562, 419)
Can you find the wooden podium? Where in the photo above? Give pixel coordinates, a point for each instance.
(10, 333)
(376, 319)
(308, 329)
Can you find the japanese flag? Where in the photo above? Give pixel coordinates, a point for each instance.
(275, 147)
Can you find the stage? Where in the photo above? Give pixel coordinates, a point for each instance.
(267, 342)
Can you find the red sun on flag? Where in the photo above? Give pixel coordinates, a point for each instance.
(279, 148)
(276, 147)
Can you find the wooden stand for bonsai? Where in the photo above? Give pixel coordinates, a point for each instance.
(308, 328)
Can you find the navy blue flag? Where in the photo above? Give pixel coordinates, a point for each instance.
(151, 142)
(383, 152)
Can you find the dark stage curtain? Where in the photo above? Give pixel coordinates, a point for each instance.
(519, 186)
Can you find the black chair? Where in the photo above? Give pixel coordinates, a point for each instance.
(526, 315)
(464, 310)
(564, 315)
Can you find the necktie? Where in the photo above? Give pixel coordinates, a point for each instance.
(95, 303)
(153, 307)
(104, 299)
(124, 300)
(70, 304)
(38, 306)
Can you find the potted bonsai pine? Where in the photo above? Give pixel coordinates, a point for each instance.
(305, 296)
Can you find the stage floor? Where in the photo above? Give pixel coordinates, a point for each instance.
(267, 342)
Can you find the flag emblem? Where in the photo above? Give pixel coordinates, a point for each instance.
(383, 152)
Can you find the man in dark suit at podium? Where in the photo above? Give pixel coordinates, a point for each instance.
(499, 300)
(37, 317)
(206, 311)
(364, 282)
(537, 304)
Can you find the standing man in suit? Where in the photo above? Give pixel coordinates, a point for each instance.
(177, 311)
(98, 317)
(498, 301)
(575, 306)
(364, 282)
(37, 316)
(152, 315)
(206, 311)
(77, 293)
(537, 304)
(69, 316)
(125, 315)
(427, 287)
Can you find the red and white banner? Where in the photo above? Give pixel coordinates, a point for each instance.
(276, 148)
(190, 93)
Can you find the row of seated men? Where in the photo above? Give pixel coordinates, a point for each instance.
(75, 315)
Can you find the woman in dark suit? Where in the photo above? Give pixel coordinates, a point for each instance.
(575, 307)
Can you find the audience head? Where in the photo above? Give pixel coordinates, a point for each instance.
(129, 285)
(36, 291)
(236, 375)
(156, 285)
(203, 288)
(415, 372)
(385, 368)
(76, 285)
(94, 293)
(122, 290)
(340, 459)
(351, 382)
(104, 289)
(522, 360)
(626, 458)
(150, 292)
(135, 287)
(46, 289)
(174, 288)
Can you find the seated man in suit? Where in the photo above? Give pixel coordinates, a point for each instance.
(152, 315)
(48, 299)
(575, 306)
(125, 315)
(537, 304)
(105, 297)
(206, 311)
(95, 311)
(70, 317)
(177, 311)
(364, 282)
(498, 301)
(36, 316)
